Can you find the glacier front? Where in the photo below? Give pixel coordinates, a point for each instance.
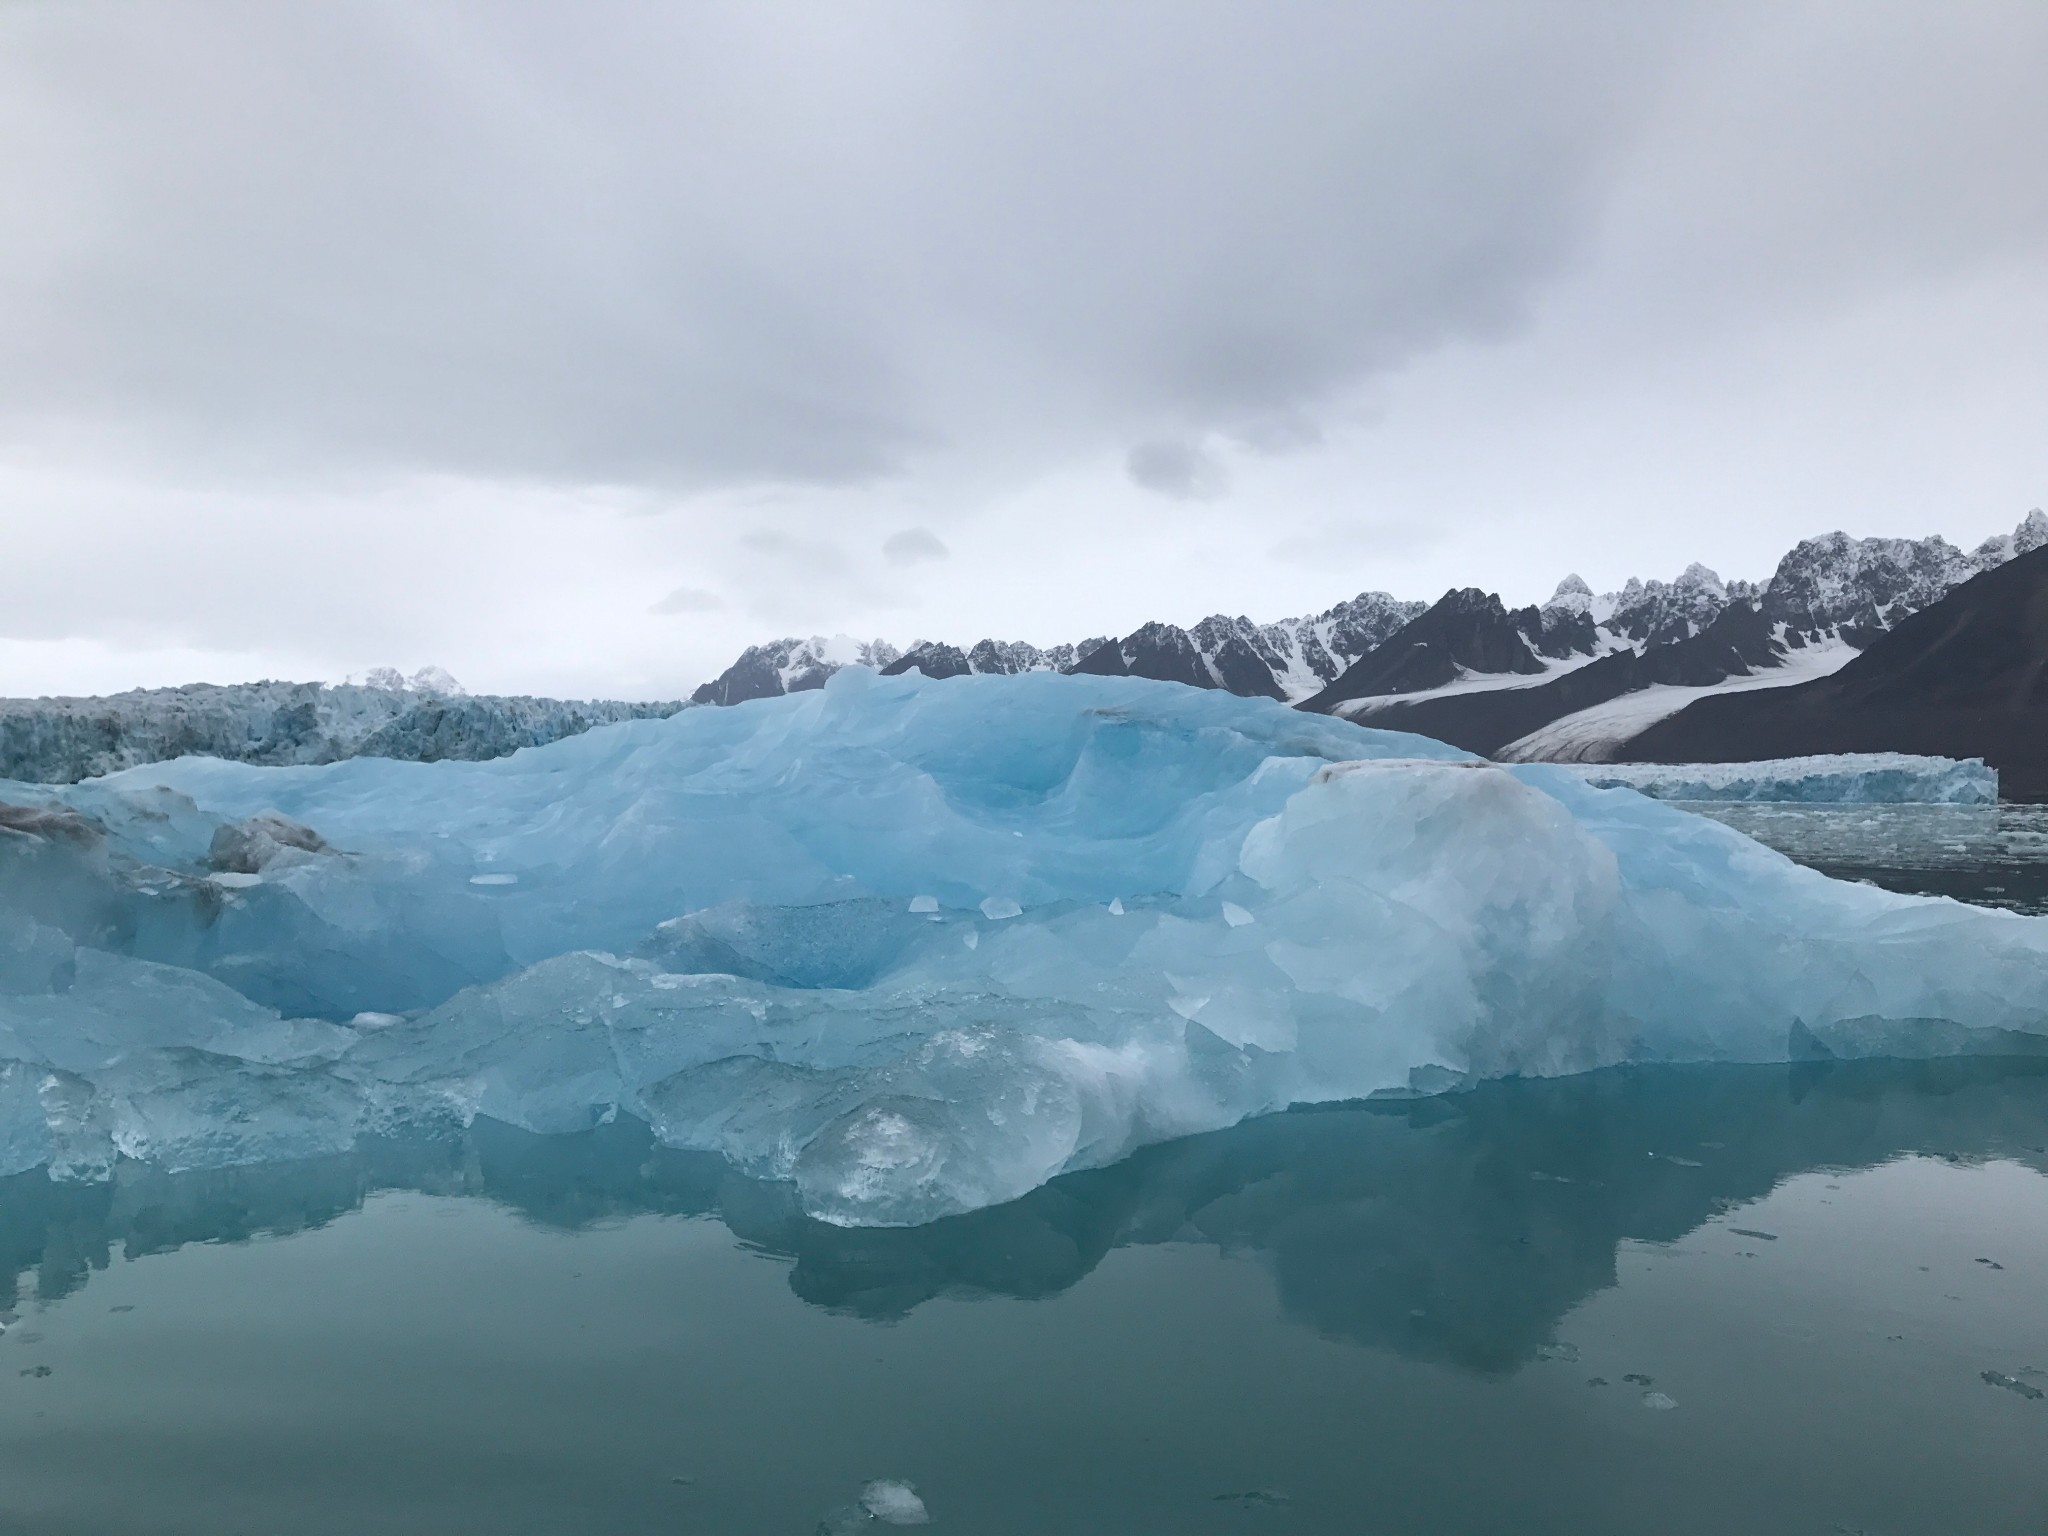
(1849, 778)
(915, 947)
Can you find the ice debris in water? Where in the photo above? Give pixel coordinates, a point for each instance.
(882, 1502)
(1658, 1401)
(2013, 1384)
(894, 1503)
(1853, 778)
(711, 928)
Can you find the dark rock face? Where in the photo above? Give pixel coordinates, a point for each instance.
(753, 676)
(1965, 677)
(1164, 652)
(1860, 587)
(1736, 644)
(1467, 630)
(1661, 613)
(932, 659)
(1282, 660)
(783, 666)
(1695, 630)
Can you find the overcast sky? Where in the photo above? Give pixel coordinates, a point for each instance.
(574, 346)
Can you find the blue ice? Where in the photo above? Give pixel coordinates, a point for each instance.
(915, 947)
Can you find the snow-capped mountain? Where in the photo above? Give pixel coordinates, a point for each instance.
(1657, 647)
(1836, 585)
(1004, 658)
(1289, 659)
(430, 717)
(791, 666)
(1960, 677)
(1571, 677)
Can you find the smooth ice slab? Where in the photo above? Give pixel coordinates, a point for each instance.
(1853, 778)
(913, 947)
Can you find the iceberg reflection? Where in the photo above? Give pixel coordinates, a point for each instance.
(1457, 1229)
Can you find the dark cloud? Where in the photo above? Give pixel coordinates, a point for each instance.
(689, 600)
(300, 300)
(912, 546)
(699, 245)
(1173, 467)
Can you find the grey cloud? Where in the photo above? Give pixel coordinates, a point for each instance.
(702, 246)
(913, 545)
(689, 600)
(1177, 468)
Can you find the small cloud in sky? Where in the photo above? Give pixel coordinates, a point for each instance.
(689, 600)
(1175, 467)
(913, 546)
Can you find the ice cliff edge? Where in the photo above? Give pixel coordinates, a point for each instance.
(425, 718)
(915, 947)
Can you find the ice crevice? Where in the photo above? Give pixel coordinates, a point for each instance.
(914, 947)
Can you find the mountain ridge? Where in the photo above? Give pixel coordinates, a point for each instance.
(1969, 672)
(1825, 589)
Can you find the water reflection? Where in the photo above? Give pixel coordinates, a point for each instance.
(1456, 1230)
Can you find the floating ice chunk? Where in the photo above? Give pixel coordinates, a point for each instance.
(724, 944)
(1864, 778)
(924, 903)
(1659, 1402)
(894, 1503)
(496, 879)
(234, 879)
(1236, 916)
(997, 908)
(376, 1020)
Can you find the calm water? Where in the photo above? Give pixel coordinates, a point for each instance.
(1754, 1299)
(1445, 1316)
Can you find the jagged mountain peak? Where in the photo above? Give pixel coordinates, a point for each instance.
(1700, 578)
(1835, 584)
(1828, 587)
(1573, 595)
(791, 665)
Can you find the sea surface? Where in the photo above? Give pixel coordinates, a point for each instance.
(1806, 1299)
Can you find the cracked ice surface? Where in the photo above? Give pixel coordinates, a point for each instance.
(915, 947)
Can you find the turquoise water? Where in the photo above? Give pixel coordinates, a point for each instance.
(1426, 1317)
(1808, 1299)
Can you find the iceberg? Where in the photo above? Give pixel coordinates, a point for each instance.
(1853, 778)
(913, 947)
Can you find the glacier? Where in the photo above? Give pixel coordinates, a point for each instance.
(913, 947)
(424, 718)
(1850, 778)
